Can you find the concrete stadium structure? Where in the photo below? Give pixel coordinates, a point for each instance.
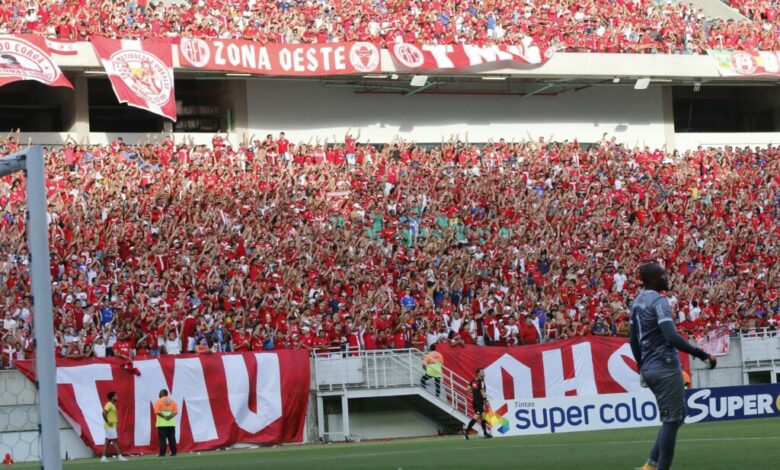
(572, 96)
(350, 401)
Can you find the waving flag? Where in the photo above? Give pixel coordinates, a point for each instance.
(26, 57)
(62, 46)
(141, 73)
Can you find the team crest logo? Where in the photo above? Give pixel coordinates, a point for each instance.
(364, 56)
(146, 75)
(19, 58)
(409, 55)
(196, 51)
(744, 63)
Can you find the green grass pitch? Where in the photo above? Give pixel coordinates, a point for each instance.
(750, 444)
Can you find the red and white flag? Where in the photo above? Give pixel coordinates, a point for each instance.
(716, 342)
(141, 72)
(62, 46)
(26, 57)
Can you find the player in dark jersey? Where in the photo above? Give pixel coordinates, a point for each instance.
(479, 403)
(654, 343)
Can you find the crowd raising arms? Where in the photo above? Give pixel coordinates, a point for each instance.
(162, 246)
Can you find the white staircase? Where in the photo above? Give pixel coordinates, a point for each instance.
(383, 373)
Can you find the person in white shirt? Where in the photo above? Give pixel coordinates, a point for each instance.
(9, 322)
(71, 336)
(99, 347)
(172, 343)
(87, 319)
(512, 331)
(695, 310)
(431, 337)
(455, 322)
(619, 280)
(22, 313)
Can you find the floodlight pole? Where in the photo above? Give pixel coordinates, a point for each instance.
(31, 161)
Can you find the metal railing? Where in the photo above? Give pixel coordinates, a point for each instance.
(387, 369)
(759, 333)
(760, 348)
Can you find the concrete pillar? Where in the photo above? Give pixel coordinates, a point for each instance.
(345, 416)
(80, 121)
(320, 418)
(776, 109)
(236, 100)
(668, 113)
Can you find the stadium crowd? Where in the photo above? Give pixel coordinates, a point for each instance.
(164, 247)
(765, 10)
(635, 26)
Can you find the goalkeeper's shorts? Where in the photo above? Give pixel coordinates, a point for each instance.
(669, 389)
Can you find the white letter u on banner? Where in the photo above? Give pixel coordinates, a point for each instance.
(269, 391)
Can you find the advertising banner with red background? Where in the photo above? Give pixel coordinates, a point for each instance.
(223, 398)
(460, 56)
(574, 367)
(250, 57)
(26, 57)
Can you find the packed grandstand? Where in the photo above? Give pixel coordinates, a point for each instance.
(636, 26)
(162, 247)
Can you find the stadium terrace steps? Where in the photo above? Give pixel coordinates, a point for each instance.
(389, 373)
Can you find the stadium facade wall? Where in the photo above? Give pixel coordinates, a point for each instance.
(382, 418)
(19, 422)
(312, 108)
(729, 371)
(690, 141)
(306, 109)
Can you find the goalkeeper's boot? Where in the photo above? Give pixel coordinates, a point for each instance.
(646, 466)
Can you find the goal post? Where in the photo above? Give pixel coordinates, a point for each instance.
(30, 160)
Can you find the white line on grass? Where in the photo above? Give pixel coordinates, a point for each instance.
(767, 438)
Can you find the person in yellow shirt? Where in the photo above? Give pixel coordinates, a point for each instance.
(166, 410)
(432, 363)
(110, 421)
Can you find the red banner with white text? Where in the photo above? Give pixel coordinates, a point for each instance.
(574, 367)
(26, 57)
(141, 72)
(460, 56)
(239, 56)
(223, 398)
